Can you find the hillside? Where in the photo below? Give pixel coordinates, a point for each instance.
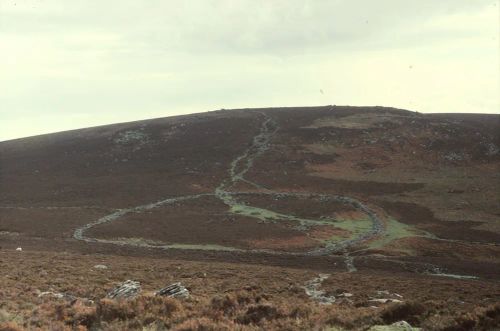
(357, 193)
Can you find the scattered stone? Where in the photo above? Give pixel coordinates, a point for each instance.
(312, 289)
(57, 295)
(9, 234)
(131, 136)
(492, 149)
(385, 300)
(157, 325)
(52, 294)
(455, 156)
(384, 296)
(100, 266)
(454, 276)
(346, 295)
(398, 326)
(349, 263)
(126, 290)
(175, 290)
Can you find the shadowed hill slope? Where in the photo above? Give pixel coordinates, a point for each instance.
(316, 180)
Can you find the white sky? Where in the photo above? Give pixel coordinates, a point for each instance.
(79, 63)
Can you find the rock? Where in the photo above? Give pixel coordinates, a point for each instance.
(132, 136)
(492, 149)
(346, 295)
(455, 156)
(51, 294)
(157, 325)
(56, 295)
(175, 290)
(385, 300)
(19, 249)
(126, 290)
(100, 266)
(312, 290)
(398, 326)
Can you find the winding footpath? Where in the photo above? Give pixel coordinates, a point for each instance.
(239, 167)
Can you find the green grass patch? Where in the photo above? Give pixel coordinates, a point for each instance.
(396, 230)
(355, 227)
(266, 215)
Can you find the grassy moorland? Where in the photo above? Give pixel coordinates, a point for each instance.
(386, 214)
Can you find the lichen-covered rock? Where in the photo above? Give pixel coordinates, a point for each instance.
(126, 290)
(176, 290)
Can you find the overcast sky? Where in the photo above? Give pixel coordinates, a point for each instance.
(79, 63)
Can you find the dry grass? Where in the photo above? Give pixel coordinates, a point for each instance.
(240, 311)
(225, 296)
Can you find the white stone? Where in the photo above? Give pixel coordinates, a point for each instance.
(100, 266)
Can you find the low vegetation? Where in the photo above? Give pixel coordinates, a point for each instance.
(242, 310)
(263, 215)
(63, 291)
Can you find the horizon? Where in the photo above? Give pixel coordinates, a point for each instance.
(225, 109)
(68, 66)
